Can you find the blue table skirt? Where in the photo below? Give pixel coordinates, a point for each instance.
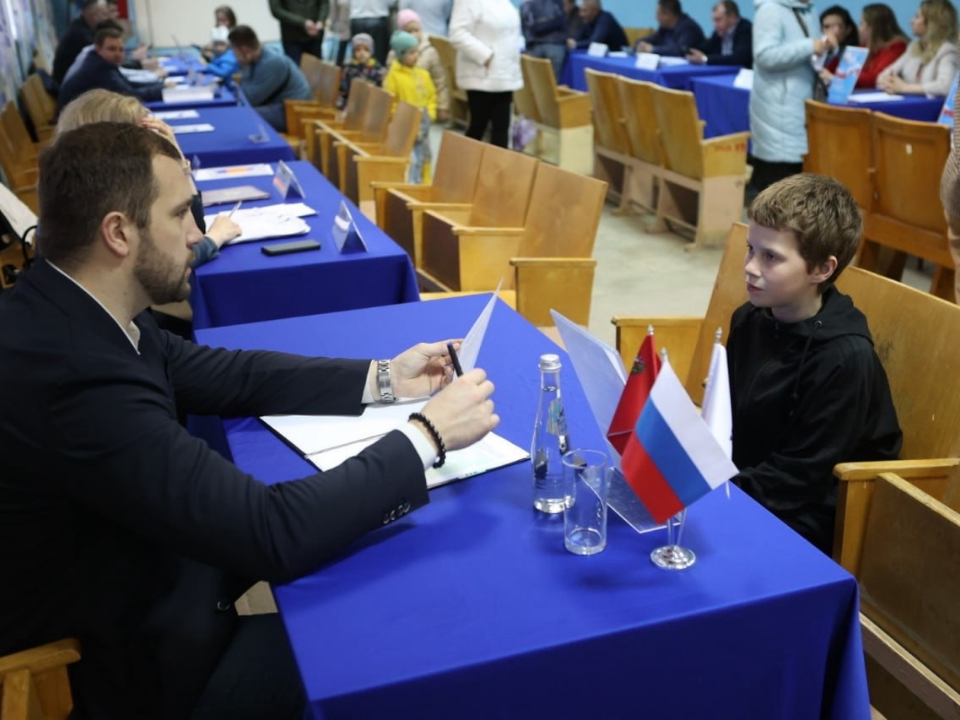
(726, 109)
(243, 285)
(224, 97)
(676, 77)
(471, 608)
(230, 143)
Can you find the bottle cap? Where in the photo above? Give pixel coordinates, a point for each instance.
(550, 362)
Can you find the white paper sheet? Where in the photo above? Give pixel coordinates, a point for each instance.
(263, 226)
(873, 97)
(244, 215)
(187, 94)
(190, 129)
(232, 171)
(669, 61)
(470, 347)
(744, 79)
(176, 115)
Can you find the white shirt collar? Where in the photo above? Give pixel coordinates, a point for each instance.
(131, 331)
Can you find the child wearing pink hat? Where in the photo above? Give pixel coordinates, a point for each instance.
(429, 59)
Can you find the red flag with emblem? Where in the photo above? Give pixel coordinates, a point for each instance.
(635, 392)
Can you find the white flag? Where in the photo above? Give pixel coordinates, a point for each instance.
(717, 412)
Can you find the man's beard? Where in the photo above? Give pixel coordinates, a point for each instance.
(162, 278)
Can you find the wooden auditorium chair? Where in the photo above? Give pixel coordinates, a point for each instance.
(399, 206)
(325, 83)
(34, 684)
(906, 214)
(612, 159)
(363, 163)
(839, 145)
(703, 181)
(18, 163)
(646, 152)
(566, 128)
(459, 108)
(40, 106)
(350, 119)
(367, 125)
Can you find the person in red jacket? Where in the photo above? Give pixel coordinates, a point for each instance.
(880, 32)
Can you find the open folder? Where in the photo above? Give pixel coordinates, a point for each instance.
(327, 441)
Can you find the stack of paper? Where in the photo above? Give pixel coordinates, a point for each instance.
(233, 171)
(187, 94)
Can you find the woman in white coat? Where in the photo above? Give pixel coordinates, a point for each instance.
(486, 34)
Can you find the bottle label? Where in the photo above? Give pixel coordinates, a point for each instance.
(556, 420)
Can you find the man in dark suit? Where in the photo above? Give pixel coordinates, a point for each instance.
(77, 37)
(731, 42)
(101, 69)
(676, 33)
(119, 528)
(599, 26)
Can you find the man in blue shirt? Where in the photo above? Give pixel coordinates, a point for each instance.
(677, 32)
(267, 78)
(599, 26)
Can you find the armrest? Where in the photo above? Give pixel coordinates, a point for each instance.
(574, 110)
(371, 168)
(725, 155)
(546, 263)
(907, 469)
(43, 658)
(380, 160)
(493, 232)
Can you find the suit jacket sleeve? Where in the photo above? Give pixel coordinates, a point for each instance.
(742, 54)
(137, 467)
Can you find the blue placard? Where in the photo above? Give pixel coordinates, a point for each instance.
(346, 235)
(285, 181)
(845, 78)
(946, 114)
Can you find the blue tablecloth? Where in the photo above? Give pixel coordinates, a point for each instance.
(726, 109)
(471, 608)
(677, 77)
(230, 143)
(224, 97)
(178, 65)
(243, 285)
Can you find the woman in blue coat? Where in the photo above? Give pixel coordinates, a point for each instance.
(786, 38)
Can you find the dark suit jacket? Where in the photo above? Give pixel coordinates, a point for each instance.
(675, 41)
(75, 39)
(95, 72)
(604, 29)
(742, 54)
(119, 528)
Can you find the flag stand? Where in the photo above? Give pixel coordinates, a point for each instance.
(673, 556)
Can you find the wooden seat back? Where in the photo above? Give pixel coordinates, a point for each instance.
(41, 107)
(524, 100)
(328, 84)
(504, 183)
(13, 123)
(609, 123)
(456, 169)
(558, 108)
(448, 58)
(840, 146)
(401, 131)
(636, 33)
(310, 67)
(637, 100)
(681, 132)
(34, 683)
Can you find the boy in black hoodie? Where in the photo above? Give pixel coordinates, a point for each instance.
(808, 390)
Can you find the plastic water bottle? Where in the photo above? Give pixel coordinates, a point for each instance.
(550, 441)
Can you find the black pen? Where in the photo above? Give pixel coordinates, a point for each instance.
(454, 359)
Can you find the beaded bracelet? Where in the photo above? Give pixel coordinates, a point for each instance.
(442, 449)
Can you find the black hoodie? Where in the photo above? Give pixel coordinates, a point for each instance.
(806, 396)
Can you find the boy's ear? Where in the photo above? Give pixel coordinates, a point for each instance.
(825, 270)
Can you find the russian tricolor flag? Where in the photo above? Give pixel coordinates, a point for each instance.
(672, 458)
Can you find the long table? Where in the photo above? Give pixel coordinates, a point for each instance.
(231, 142)
(676, 77)
(243, 285)
(471, 608)
(223, 97)
(726, 109)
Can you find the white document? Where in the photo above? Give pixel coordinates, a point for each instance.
(176, 115)
(233, 171)
(290, 210)
(597, 50)
(262, 226)
(618, 54)
(647, 61)
(744, 79)
(873, 97)
(669, 61)
(189, 129)
(20, 217)
(470, 347)
(187, 94)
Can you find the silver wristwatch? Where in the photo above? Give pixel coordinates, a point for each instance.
(385, 382)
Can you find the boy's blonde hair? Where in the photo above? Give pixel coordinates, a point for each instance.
(819, 211)
(101, 106)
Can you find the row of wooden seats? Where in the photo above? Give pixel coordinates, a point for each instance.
(324, 80)
(898, 529)
(18, 156)
(561, 115)
(892, 167)
(649, 144)
(490, 209)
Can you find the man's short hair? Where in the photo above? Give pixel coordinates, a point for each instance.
(819, 211)
(108, 23)
(103, 33)
(92, 171)
(729, 7)
(87, 4)
(671, 6)
(244, 36)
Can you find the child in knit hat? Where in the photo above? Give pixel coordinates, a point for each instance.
(412, 84)
(409, 21)
(362, 65)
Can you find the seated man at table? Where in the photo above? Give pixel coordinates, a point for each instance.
(101, 69)
(80, 34)
(807, 388)
(224, 63)
(267, 78)
(119, 528)
(731, 42)
(677, 32)
(132, 70)
(598, 26)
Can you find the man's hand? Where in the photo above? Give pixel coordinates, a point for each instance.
(571, 44)
(311, 27)
(161, 128)
(644, 47)
(223, 230)
(462, 412)
(423, 369)
(696, 57)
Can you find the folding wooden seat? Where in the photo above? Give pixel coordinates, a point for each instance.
(906, 214)
(40, 105)
(646, 152)
(369, 127)
(840, 146)
(612, 162)
(351, 118)
(363, 163)
(399, 206)
(566, 128)
(703, 181)
(459, 108)
(34, 683)
(550, 251)
(325, 84)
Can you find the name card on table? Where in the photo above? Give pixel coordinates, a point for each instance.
(286, 182)
(187, 94)
(946, 114)
(744, 79)
(261, 136)
(845, 78)
(189, 129)
(597, 50)
(346, 235)
(647, 61)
